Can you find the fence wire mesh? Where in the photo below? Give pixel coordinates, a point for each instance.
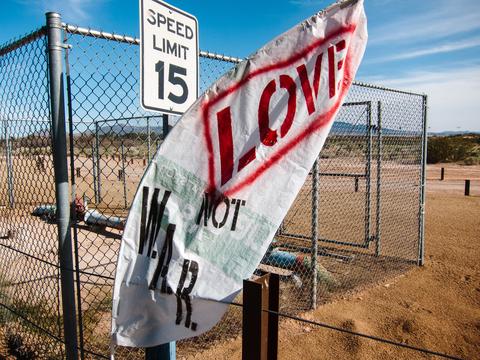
(356, 221)
(29, 273)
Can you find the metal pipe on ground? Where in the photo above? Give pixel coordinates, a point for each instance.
(302, 263)
(96, 218)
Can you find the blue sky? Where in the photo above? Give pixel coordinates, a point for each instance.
(428, 46)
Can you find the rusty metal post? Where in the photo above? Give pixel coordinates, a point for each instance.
(274, 307)
(467, 187)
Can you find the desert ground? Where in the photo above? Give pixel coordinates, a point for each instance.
(435, 306)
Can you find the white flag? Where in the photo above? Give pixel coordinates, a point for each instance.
(219, 186)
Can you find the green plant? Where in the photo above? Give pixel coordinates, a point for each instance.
(458, 148)
(17, 348)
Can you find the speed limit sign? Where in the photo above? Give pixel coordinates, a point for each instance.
(168, 57)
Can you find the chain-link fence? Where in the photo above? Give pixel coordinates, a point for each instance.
(29, 269)
(357, 220)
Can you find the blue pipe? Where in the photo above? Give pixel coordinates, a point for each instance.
(286, 260)
(290, 261)
(94, 217)
(42, 210)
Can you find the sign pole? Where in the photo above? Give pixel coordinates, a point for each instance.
(165, 351)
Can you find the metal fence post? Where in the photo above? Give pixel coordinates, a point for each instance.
(97, 156)
(148, 140)
(379, 178)
(368, 175)
(423, 176)
(59, 147)
(124, 177)
(165, 126)
(8, 154)
(314, 232)
(94, 173)
(73, 181)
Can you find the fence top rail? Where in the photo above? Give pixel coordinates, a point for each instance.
(24, 40)
(379, 87)
(74, 29)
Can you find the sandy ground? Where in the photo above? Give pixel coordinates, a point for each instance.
(436, 306)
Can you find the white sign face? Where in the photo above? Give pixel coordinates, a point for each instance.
(168, 57)
(217, 189)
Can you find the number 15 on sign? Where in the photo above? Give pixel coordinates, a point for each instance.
(168, 57)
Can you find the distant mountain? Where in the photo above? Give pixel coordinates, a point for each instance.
(128, 129)
(452, 133)
(339, 128)
(346, 129)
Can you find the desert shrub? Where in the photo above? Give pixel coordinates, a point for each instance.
(18, 348)
(471, 160)
(458, 148)
(438, 149)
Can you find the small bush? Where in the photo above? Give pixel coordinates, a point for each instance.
(438, 150)
(458, 148)
(18, 349)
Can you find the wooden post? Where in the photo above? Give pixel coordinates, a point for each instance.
(260, 328)
(161, 352)
(164, 351)
(442, 174)
(467, 187)
(274, 305)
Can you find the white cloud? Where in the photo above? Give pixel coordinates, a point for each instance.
(447, 47)
(445, 19)
(453, 95)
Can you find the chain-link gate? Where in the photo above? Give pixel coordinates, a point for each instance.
(357, 220)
